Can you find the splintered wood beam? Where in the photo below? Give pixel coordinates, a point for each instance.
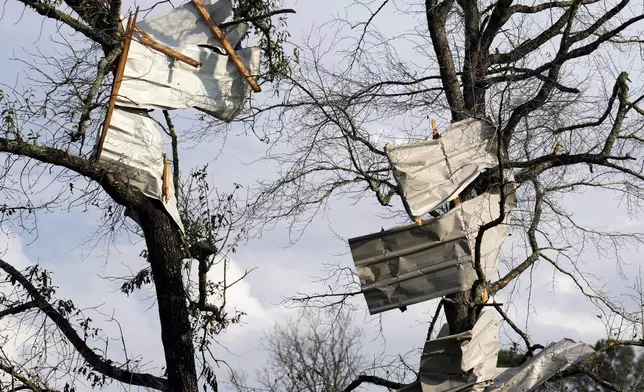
(148, 41)
(216, 31)
(166, 179)
(435, 134)
(118, 77)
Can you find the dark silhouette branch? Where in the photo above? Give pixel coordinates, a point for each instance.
(256, 18)
(96, 362)
(13, 310)
(52, 13)
(373, 380)
(119, 191)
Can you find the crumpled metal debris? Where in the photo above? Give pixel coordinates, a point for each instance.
(152, 80)
(432, 172)
(133, 145)
(454, 362)
(534, 372)
(134, 150)
(411, 264)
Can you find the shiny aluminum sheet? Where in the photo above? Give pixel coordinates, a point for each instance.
(432, 172)
(455, 362)
(540, 368)
(152, 80)
(134, 150)
(411, 264)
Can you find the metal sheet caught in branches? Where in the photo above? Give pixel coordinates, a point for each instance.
(133, 148)
(411, 264)
(152, 80)
(432, 172)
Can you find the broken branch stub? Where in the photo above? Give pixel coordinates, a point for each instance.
(227, 46)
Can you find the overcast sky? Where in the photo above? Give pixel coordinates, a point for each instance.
(556, 308)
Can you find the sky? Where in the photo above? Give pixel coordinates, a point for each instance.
(555, 307)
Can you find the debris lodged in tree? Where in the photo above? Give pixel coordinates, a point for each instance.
(177, 60)
(416, 263)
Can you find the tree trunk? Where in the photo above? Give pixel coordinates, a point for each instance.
(457, 312)
(166, 253)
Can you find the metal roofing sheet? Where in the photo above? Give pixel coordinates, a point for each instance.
(432, 172)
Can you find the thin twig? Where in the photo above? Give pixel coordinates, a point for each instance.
(256, 18)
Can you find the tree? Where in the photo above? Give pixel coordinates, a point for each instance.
(620, 366)
(315, 354)
(569, 121)
(44, 126)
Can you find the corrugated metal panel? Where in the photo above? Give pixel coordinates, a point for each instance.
(411, 264)
(540, 368)
(134, 149)
(462, 360)
(152, 80)
(414, 263)
(432, 172)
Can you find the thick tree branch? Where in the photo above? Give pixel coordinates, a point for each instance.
(436, 20)
(532, 44)
(97, 363)
(52, 13)
(372, 380)
(88, 102)
(13, 310)
(601, 119)
(27, 384)
(544, 92)
(575, 53)
(532, 239)
(120, 192)
(174, 140)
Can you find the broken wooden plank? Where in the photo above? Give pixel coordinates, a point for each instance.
(118, 77)
(152, 44)
(227, 46)
(166, 179)
(435, 134)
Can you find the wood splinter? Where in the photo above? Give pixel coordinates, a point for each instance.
(558, 146)
(118, 77)
(435, 134)
(216, 31)
(166, 179)
(148, 41)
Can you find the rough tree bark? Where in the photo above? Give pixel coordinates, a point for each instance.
(166, 251)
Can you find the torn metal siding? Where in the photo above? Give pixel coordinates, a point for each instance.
(455, 362)
(184, 26)
(540, 368)
(152, 80)
(411, 264)
(133, 148)
(485, 209)
(414, 263)
(433, 172)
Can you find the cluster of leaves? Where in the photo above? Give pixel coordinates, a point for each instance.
(271, 33)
